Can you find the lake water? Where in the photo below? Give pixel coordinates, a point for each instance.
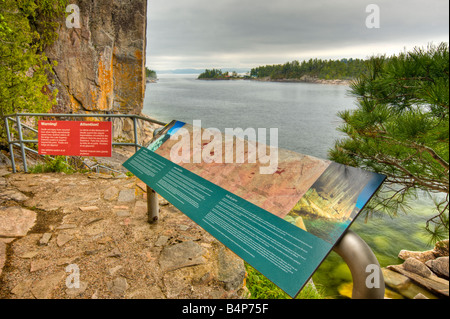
(306, 118)
(305, 114)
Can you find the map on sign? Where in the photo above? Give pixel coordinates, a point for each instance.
(71, 138)
(284, 224)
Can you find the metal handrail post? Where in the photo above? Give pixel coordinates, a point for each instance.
(368, 280)
(11, 146)
(22, 149)
(135, 134)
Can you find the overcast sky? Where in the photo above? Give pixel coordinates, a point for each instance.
(249, 33)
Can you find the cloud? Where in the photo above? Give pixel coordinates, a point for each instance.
(225, 33)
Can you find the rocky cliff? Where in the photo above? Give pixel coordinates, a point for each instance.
(101, 64)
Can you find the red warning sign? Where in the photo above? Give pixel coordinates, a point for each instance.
(75, 138)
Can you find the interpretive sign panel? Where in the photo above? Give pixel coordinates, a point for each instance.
(284, 223)
(72, 138)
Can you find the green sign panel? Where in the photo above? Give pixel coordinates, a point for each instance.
(283, 224)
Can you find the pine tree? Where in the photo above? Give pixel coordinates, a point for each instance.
(400, 128)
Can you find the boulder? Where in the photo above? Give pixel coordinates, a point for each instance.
(415, 266)
(441, 249)
(422, 256)
(439, 266)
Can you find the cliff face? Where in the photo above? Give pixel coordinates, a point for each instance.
(101, 65)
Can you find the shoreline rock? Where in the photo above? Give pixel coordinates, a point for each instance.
(303, 79)
(306, 79)
(422, 275)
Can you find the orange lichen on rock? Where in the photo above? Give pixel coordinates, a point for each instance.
(102, 96)
(74, 104)
(141, 70)
(129, 82)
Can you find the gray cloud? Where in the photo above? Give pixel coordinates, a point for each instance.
(221, 33)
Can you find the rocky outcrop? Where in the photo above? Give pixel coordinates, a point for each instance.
(422, 275)
(98, 223)
(101, 65)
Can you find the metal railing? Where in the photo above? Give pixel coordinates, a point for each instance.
(20, 142)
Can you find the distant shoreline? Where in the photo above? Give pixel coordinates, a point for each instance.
(301, 80)
(306, 80)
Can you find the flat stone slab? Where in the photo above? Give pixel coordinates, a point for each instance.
(437, 286)
(127, 195)
(63, 239)
(14, 195)
(118, 286)
(111, 193)
(88, 209)
(44, 288)
(16, 221)
(181, 255)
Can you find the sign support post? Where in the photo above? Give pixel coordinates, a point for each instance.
(152, 205)
(362, 263)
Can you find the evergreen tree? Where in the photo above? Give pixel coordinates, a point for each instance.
(401, 129)
(26, 27)
(211, 74)
(150, 73)
(344, 70)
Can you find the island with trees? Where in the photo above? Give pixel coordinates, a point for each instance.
(150, 76)
(217, 74)
(314, 71)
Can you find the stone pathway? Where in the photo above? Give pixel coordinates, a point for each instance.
(87, 236)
